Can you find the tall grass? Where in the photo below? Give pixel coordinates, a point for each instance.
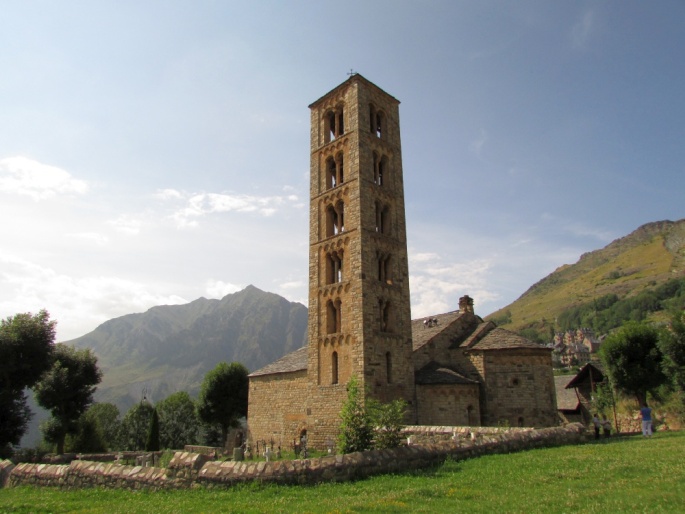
(621, 475)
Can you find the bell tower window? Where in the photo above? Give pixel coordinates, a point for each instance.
(384, 273)
(335, 215)
(333, 316)
(334, 125)
(334, 267)
(380, 169)
(385, 308)
(382, 218)
(377, 119)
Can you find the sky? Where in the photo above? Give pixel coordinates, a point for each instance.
(155, 152)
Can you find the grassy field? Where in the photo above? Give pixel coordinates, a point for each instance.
(622, 475)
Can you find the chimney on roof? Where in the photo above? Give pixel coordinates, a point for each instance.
(466, 304)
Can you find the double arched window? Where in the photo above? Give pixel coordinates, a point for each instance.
(381, 169)
(334, 124)
(333, 316)
(335, 219)
(377, 120)
(382, 218)
(334, 267)
(334, 171)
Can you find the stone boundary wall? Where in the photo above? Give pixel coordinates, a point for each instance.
(193, 470)
(434, 434)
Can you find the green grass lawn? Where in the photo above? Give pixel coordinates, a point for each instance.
(623, 475)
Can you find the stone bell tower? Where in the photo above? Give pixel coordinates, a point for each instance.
(359, 306)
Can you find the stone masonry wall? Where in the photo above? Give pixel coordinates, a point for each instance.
(192, 470)
(277, 407)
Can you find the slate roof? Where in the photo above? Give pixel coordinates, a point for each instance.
(590, 368)
(294, 361)
(566, 398)
(433, 373)
(421, 333)
(501, 339)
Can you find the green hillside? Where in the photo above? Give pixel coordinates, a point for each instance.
(645, 259)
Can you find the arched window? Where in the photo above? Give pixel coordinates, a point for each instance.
(333, 316)
(331, 174)
(334, 264)
(335, 219)
(334, 125)
(470, 416)
(384, 269)
(388, 367)
(382, 218)
(334, 368)
(377, 119)
(385, 315)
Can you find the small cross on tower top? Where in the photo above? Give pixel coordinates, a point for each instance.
(351, 72)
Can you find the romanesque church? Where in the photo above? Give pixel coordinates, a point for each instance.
(451, 369)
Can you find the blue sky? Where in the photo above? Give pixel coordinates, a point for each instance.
(155, 152)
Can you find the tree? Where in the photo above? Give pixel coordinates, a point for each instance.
(672, 346)
(87, 438)
(356, 428)
(178, 423)
(152, 444)
(67, 388)
(388, 420)
(106, 419)
(633, 360)
(26, 344)
(223, 396)
(135, 427)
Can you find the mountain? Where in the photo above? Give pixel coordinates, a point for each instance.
(648, 257)
(171, 347)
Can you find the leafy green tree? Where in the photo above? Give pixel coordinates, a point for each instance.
(107, 422)
(67, 388)
(87, 438)
(672, 346)
(223, 396)
(356, 427)
(633, 360)
(388, 420)
(178, 422)
(135, 427)
(26, 345)
(152, 444)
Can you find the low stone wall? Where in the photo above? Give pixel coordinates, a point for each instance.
(434, 434)
(193, 469)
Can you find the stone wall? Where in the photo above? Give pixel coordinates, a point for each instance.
(191, 470)
(448, 404)
(277, 407)
(519, 388)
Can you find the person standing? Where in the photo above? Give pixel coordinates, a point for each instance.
(606, 426)
(597, 423)
(646, 414)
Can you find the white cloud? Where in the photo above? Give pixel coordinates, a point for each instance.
(90, 237)
(436, 285)
(26, 177)
(79, 303)
(580, 32)
(219, 288)
(477, 144)
(127, 224)
(168, 194)
(203, 204)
